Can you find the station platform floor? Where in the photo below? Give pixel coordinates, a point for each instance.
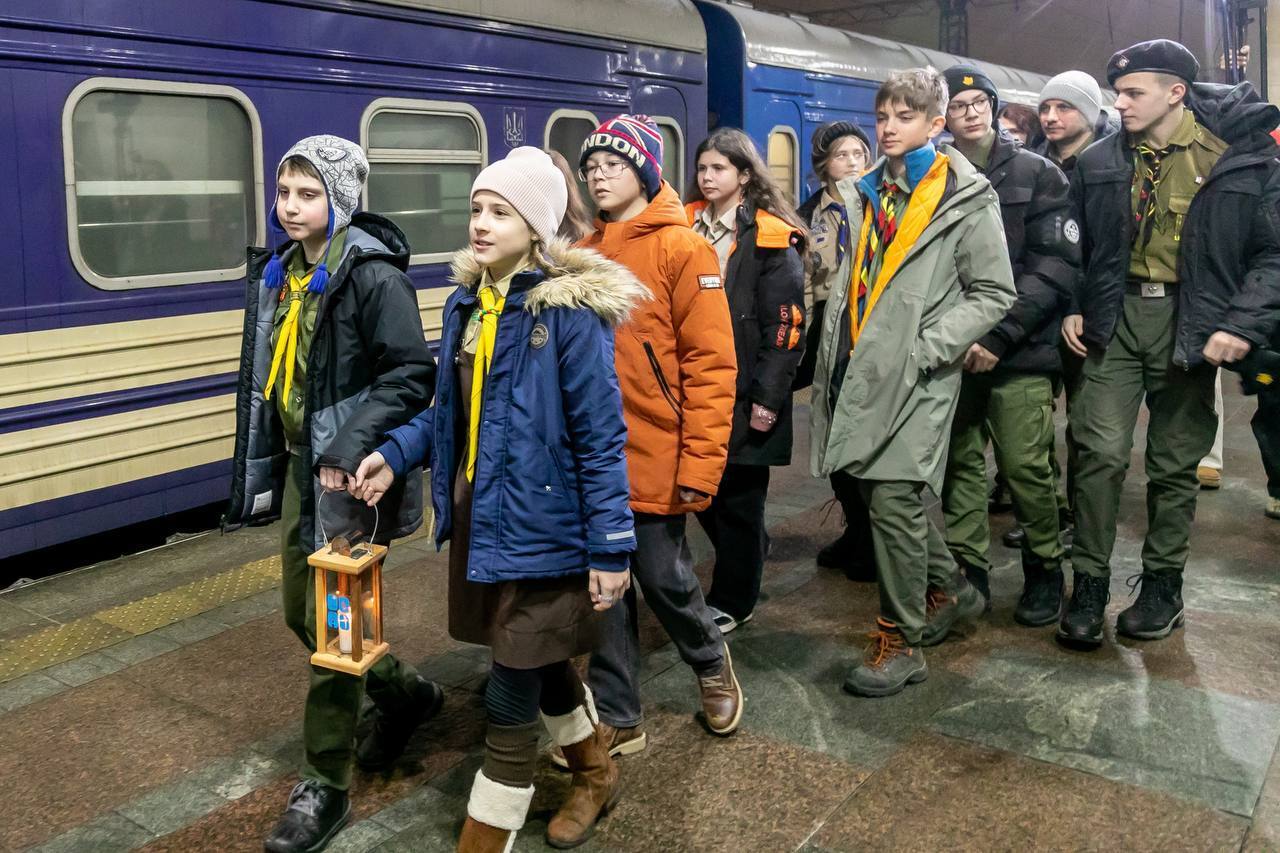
(154, 703)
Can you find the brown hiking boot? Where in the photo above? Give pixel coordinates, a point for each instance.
(626, 741)
(593, 792)
(495, 813)
(722, 699)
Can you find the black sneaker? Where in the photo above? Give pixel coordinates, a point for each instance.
(1043, 591)
(315, 814)
(1158, 610)
(385, 742)
(1014, 538)
(1082, 623)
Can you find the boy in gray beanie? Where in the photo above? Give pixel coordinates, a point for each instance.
(333, 359)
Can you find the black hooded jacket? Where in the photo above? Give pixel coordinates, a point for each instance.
(1044, 247)
(1102, 128)
(1229, 256)
(369, 371)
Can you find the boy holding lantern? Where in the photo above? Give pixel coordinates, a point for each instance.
(333, 359)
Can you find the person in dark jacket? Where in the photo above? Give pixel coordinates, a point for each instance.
(529, 486)
(1007, 390)
(1181, 251)
(1071, 118)
(758, 240)
(333, 359)
(840, 150)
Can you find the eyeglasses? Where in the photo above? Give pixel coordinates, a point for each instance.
(607, 169)
(980, 106)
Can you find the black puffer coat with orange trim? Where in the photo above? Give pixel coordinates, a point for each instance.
(764, 282)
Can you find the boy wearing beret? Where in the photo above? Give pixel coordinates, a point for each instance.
(1181, 254)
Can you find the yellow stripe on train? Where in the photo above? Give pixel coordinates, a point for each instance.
(65, 459)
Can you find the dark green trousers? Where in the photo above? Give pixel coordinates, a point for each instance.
(333, 699)
(1016, 411)
(910, 553)
(1137, 367)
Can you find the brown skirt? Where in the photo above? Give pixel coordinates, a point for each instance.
(527, 623)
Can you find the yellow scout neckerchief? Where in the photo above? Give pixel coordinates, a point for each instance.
(491, 304)
(287, 343)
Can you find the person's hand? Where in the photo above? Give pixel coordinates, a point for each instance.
(1072, 329)
(333, 479)
(607, 588)
(762, 419)
(692, 496)
(979, 359)
(1225, 348)
(372, 479)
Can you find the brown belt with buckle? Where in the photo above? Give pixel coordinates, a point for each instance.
(1151, 289)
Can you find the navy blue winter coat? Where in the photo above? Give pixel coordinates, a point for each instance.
(551, 492)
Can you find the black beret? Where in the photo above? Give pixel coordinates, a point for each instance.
(1161, 56)
(962, 78)
(826, 135)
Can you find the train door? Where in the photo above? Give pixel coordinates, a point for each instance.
(777, 125)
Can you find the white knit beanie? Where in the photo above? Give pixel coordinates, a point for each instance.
(1079, 90)
(531, 183)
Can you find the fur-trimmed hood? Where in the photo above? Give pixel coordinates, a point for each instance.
(575, 278)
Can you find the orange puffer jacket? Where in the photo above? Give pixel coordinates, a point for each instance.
(674, 357)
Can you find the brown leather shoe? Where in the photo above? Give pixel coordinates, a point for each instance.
(722, 699)
(593, 792)
(626, 741)
(479, 837)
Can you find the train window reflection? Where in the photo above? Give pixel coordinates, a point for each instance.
(566, 131)
(423, 158)
(672, 152)
(162, 186)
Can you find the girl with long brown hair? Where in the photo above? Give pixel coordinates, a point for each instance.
(760, 242)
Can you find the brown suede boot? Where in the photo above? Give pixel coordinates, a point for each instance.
(595, 790)
(495, 812)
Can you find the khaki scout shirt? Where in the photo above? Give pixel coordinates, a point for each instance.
(824, 241)
(718, 232)
(1194, 151)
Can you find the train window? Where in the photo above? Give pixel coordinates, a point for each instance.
(672, 152)
(782, 158)
(423, 158)
(566, 131)
(163, 182)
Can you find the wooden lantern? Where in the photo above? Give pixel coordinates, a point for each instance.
(348, 606)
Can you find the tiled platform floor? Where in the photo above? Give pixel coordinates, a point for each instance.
(186, 737)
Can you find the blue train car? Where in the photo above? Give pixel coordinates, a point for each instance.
(138, 141)
(779, 78)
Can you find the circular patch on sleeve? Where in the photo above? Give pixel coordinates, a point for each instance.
(538, 339)
(1071, 230)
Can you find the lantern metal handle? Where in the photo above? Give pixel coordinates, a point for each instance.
(377, 516)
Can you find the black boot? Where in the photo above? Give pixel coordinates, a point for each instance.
(856, 559)
(1082, 623)
(980, 580)
(999, 500)
(315, 814)
(1158, 610)
(392, 729)
(1043, 590)
(838, 554)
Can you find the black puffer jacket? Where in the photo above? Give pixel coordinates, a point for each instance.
(369, 371)
(1044, 247)
(1229, 260)
(764, 282)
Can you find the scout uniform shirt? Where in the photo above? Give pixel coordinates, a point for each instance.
(718, 232)
(1164, 182)
(826, 252)
(290, 391)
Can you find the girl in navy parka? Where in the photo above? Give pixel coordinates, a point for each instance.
(525, 444)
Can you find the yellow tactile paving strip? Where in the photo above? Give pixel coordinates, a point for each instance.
(61, 643)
